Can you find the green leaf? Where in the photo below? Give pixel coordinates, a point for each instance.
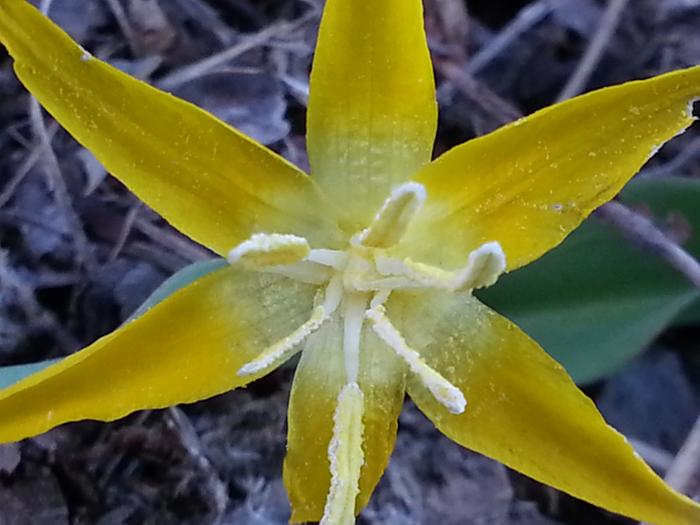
(597, 300)
(670, 196)
(9, 375)
(12, 374)
(689, 316)
(178, 280)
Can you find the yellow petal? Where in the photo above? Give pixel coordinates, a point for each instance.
(525, 411)
(319, 379)
(187, 348)
(372, 110)
(210, 181)
(529, 184)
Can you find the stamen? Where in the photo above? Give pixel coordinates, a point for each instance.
(334, 294)
(393, 218)
(346, 457)
(379, 298)
(445, 392)
(332, 258)
(427, 276)
(353, 314)
(304, 271)
(282, 349)
(484, 266)
(273, 249)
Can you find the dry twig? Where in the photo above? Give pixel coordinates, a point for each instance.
(124, 24)
(187, 73)
(37, 316)
(477, 92)
(28, 163)
(684, 473)
(125, 230)
(187, 435)
(171, 241)
(527, 18)
(644, 232)
(61, 194)
(608, 23)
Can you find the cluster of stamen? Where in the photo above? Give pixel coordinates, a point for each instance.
(356, 285)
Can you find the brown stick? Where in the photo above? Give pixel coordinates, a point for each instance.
(608, 23)
(644, 232)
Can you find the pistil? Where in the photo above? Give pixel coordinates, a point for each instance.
(353, 318)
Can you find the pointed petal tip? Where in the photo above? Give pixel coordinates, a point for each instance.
(207, 179)
(561, 163)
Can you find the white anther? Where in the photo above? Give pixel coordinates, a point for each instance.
(86, 56)
(346, 457)
(393, 218)
(270, 249)
(484, 266)
(444, 392)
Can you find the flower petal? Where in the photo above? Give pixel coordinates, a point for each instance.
(528, 184)
(187, 348)
(319, 379)
(210, 181)
(372, 109)
(525, 411)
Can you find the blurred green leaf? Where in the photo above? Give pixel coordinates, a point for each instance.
(681, 196)
(597, 300)
(689, 316)
(9, 375)
(178, 280)
(12, 374)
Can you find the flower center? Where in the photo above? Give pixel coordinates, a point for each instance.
(357, 282)
(354, 285)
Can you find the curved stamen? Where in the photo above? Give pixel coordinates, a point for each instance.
(445, 392)
(332, 258)
(304, 271)
(393, 218)
(269, 249)
(283, 349)
(484, 266)
(346, 457)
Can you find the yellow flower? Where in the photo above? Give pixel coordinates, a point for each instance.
(367, 266)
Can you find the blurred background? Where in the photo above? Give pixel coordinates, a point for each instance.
(79, 253)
